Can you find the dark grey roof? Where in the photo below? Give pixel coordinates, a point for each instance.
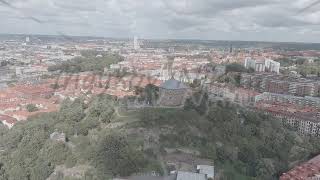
(173, 84)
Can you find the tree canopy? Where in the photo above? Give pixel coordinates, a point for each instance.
(89, 61)
(242, 144)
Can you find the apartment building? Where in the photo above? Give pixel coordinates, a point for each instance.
(262, 65)
(241, 96)
(307, 124)
(307, 101)
(280, 84)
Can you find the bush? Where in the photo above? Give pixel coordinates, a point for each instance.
(235, 67)
(32, 108)
(115, 156)
(88, 62)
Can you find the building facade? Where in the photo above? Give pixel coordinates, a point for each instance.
(289, 99)
(262, 65)
(173, 93)
(280, 84)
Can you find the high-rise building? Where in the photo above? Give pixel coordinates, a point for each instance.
(262, 65)
(231, 49)
(136, 45)
(272, 66)
(171, 50)
(27, 39)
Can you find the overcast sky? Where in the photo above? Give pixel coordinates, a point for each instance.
(260, 20)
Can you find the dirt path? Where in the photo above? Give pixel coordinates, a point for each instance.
(118, 114)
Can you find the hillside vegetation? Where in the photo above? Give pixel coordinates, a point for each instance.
(89, 61)
(103, 141)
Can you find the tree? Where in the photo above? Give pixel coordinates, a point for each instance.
(55, 152)
(152, 94)
(32, 108)
(235, 67)
(114, 155)
(42, 169)
(55, 86)
(87, 62)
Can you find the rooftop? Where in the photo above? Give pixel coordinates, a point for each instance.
(205, 169)
(173, 84)
(304, 171)
(190, 176)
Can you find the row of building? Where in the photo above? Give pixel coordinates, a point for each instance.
(289, 99)
(300, 113)
(280, 84)
(223, 92)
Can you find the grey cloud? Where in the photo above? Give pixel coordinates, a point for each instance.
(208, 8)
(205, 19)
(79, 5)
(284, 22)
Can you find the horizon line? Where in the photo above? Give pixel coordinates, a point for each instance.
(159, 39)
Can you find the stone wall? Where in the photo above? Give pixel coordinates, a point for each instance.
(172, 97)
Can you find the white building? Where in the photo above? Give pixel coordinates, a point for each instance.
(272, 66)
(190, 176)
(207, 170)
(136, 45)
(56, 136)
(8, 121)
(262, 65)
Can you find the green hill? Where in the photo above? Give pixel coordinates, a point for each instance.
(104, 141)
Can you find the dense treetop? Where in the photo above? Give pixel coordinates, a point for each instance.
(89, 61)
(241, 143)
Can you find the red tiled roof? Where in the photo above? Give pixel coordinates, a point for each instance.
(8, 119)
(303, 171)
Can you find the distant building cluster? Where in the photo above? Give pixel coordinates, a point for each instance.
(294, 101)
(262, 65)
(14, 101)
(182, 68)
(185, 69)
(169, 65)
(47, 94)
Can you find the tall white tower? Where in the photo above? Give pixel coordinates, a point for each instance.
(136, 45)
(27, 39)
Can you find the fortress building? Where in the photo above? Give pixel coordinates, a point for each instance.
(172, 93)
